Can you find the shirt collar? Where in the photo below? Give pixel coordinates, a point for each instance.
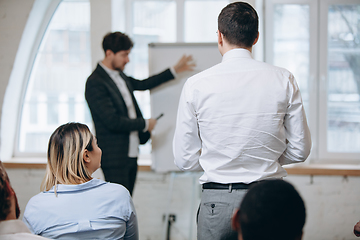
(236, 53)
(109, 71)
(93, 183)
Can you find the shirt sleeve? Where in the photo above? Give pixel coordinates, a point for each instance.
(186, 142)
(146, 125)
(25, 220)
(132, 232)
(298, 139)
(173, 72)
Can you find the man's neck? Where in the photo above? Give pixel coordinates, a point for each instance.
(107, 64)
(227, 47)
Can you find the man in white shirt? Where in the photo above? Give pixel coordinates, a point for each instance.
(11, 228)
(238, 121)
(119, 124)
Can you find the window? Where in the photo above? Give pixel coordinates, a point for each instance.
(61, 61)
(323, 53)
(292, 38)
(343, 118)
(55, 90)
(340, 78)
(322, 50)
(162, 21)
(200, 26)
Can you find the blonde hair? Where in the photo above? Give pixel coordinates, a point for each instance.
(65, 163)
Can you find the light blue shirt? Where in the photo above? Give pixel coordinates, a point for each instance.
(92, 210)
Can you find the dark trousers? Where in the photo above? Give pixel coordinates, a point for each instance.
(124, 174)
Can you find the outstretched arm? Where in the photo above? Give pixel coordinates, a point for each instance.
(185, 63)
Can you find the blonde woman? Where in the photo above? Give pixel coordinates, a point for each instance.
(73, 205)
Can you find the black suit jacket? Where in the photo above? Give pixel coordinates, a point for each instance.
(110, 114)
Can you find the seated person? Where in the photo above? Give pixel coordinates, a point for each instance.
(10, 227)
(230, 236)
(73, 205)
(272, 210)
(357, 229)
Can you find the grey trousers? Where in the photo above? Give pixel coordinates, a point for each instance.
(215, 212)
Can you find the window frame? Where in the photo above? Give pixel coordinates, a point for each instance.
(35, 28)
(324, 154)
(32, 62)
(317, 118)
(37, 24)
(313, 61)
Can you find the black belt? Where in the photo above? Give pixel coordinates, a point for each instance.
(212, 185)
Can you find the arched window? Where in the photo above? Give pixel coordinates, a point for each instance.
(58, 62)
(55, 89)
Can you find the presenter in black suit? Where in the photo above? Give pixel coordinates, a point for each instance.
(119, 124)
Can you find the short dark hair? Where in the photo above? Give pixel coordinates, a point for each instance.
(239, 23)
(6, 192)
(117, 41)
(275, 203)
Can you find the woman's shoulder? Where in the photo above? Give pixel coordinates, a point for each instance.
(105, 187)
(115, 196)
(94, 185)
(116, 188)
(37, 198)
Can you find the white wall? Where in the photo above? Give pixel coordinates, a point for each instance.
(100, 25)
(13, 19)
(12, 23)
(332, 202)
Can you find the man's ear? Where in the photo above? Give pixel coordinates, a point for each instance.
(256, 39)
(220, 38)
(235, 221)
(86, 156)
(108, 53)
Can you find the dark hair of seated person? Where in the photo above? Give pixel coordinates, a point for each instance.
(272, 210)
(6, 193)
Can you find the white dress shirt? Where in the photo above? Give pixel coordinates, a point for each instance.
(134, 140)
(91, 210)
(240, 121)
